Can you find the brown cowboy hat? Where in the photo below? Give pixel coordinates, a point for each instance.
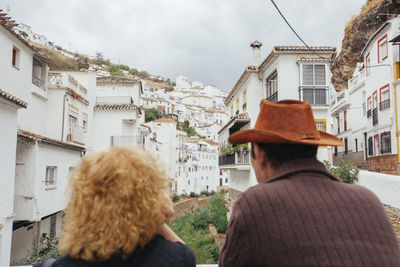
(286, 121)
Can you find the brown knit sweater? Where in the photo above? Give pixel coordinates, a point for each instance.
(303, 216)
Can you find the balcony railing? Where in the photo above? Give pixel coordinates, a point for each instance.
(368, 113)
(112, 100)
(374, 116)
(273, 98)
(236, 158)
(76, 134)
(126, 140)
(384, 104)
(314, 96)
(38, 82)
(64, 80)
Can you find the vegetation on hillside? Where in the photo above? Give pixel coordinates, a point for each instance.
(151, 114)
(186, 128)
(193, 229)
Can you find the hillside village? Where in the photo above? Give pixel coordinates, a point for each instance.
(57, 106)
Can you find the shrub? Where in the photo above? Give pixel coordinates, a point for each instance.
(218, 214)
(212, 193)
(192, 194)
(46, 249)
(201, 218)
(175, 198)
(344, 171)
(205, 193)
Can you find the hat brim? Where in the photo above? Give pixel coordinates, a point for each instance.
(260, 136)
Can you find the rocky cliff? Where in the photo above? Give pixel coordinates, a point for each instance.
(356, 34)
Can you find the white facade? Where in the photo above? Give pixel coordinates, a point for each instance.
(287, 73)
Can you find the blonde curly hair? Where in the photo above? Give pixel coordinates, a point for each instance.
(116, 206)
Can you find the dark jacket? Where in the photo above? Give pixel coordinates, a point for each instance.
(159, 252)
(304, 216)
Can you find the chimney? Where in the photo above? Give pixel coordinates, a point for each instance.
(256, 46)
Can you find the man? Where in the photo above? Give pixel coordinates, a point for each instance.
(299, 214)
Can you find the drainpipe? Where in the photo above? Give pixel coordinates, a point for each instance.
(63, 118)
(395, 77)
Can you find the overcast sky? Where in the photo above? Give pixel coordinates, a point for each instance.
(205, 40)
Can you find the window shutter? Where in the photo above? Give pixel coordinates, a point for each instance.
(308, 74)
(320, 75)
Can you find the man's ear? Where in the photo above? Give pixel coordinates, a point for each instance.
(261, 157)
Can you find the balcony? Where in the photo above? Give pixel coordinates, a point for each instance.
(384, 104)
(314, 96)
(368, 113)
(340, 101)
(113, 100)
(126, 140)
(64, 80)
(273, 98)
(375, 116)
(38, 82)
(238, 160)
(76, 135)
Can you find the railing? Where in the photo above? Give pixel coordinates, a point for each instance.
(357, 79)
(368, 113)
(64, 80)
(126, 140)
(273, 98)
(374, 116)
(38, 82)
(340, 96)
(77, 134)
(237, 157)
(384, 104)
(111, 100)
(314, 96)
(244, 106)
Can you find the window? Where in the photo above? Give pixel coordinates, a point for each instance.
(367, 64)
(272, 87)
(237, 105)
(16, 57)
(338, 123)
(314, 74)
(231, 110)
(345, 120)
(384, 97)
(188, 182)
(369, 107)
(346, 146)
(370, 147)
(376, 145)
(356, 143)
(84, 121)
(382, 48)
(321, 125)
(51, 175)
(226, 180)
(385, 143)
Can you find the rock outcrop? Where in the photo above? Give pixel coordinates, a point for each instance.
(356, 34)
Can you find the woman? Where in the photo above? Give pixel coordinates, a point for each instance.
(117, 212)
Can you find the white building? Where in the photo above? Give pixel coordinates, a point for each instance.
(366, 115)
(288, 72)
(117, 113)
(16, 64)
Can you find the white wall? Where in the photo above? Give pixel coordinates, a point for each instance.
(8, 141)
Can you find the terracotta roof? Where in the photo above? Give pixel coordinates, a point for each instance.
(116, 80)
(165, 120)
(9, 25)
(211, 142)
(42, 139)
(312, 59)
(15, 100)
(115, 107)
(243, 115)
(304, 49)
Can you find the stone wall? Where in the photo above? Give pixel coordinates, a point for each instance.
(233, 194)
(384, 164)
(356, 158)
(188, 206)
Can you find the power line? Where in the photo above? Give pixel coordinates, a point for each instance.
(311, 50)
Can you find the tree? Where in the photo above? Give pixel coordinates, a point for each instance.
(189, 130)
(114, 70)
(99, 58)
(151, 114)
(123, 67)
(134, 71)
(143, 74)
